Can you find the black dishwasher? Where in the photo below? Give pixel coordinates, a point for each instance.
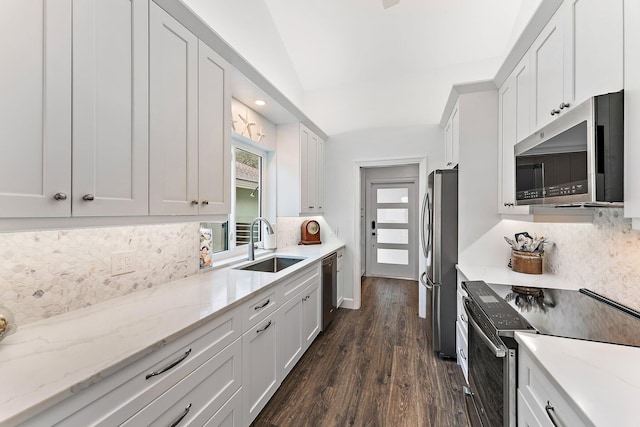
(329, 289)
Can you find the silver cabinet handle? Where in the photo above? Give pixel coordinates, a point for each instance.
(265, 328)
(449, 164)
(194, 202)
(181, 417)
(205, 202)
(564, 105)
(60, 196)
(462, 354)
(551, 412)
(464, 319)
(507, 204)
(258, 307)
(311, 207)
(169, 366)
(88, 197)
(554, 112)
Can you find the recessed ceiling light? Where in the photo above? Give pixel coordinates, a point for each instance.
(260, 102)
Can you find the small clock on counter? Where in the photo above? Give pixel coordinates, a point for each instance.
(310, 233)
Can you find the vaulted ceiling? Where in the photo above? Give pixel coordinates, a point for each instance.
(334, 42)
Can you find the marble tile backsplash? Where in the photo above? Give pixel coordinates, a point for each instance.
(603, 256)
(45, 273)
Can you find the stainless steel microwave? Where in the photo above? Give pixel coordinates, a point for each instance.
(576, 160)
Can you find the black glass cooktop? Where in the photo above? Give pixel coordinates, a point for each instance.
(565, 313)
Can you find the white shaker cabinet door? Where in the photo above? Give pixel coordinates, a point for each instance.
(308, 170)
(35, 108)
(214, 130)
(548, 72)
(110, 107)
(597, 41)
(312, 314)
(173, 116)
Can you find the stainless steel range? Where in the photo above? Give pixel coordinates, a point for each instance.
(496, 312)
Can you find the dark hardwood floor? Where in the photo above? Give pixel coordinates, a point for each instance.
(372, 367)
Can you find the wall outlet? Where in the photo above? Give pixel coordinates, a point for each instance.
(123, 262)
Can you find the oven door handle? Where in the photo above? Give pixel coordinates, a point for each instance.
(497, 351)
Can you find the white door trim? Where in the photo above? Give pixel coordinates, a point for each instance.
(356, 301)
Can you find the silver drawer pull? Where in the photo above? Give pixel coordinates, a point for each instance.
(181, 417)
(258, 307)
(551, 412)
(462, 354)
(464, 319)
(60, 196)
(169, 366)
(88, 197)
(265, 328)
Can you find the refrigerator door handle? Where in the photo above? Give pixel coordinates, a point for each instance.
(425, 228)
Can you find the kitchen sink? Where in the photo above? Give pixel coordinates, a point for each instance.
(271, 265)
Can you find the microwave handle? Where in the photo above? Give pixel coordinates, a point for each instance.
(497, 351)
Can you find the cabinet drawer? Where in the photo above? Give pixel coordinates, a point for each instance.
(462, 315)
(260, 306)
(117, 397)
(197, 397)
(462, 350)
(230, 415)
(299, 281)
(526, 417)
(538, 391)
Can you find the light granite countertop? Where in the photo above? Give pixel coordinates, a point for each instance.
(47, 361)
(599, 380)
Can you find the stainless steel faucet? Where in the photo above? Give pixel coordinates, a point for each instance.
(251, 242)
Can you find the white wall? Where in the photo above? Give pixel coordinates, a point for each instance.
(342, 151)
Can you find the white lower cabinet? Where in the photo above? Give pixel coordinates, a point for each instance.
(197, 397)
(260, 366)
(222, 373)
(128, 391)
(230, 415)
(540, 403)
(462, 329)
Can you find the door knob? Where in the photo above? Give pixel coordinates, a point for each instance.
(194, 202)
(564, 105)
(205, 202)
(88, 197)
(60, 196)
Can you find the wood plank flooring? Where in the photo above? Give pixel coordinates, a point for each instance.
(372, 367)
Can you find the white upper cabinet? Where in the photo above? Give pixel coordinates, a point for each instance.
(579, 54)
(513, 121)
(550, 83)
(173, 114)
(35, 108)
(110, 107)
(598, 42)
(452, 139)
(631, 111)
(89, 160)
(190, 136)
(299, 171)
(214, 133)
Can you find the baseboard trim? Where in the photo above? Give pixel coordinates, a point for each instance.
(347, 303)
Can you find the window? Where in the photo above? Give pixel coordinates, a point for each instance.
(248, 194)
(247, 203)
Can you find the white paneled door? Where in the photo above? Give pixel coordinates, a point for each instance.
(392, 230)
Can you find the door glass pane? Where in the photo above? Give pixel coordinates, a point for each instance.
(248, 194)
(393, 195)
(396, 236)
(393, 216)
(393, 256)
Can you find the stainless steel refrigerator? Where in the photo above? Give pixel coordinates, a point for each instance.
(439, 236)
